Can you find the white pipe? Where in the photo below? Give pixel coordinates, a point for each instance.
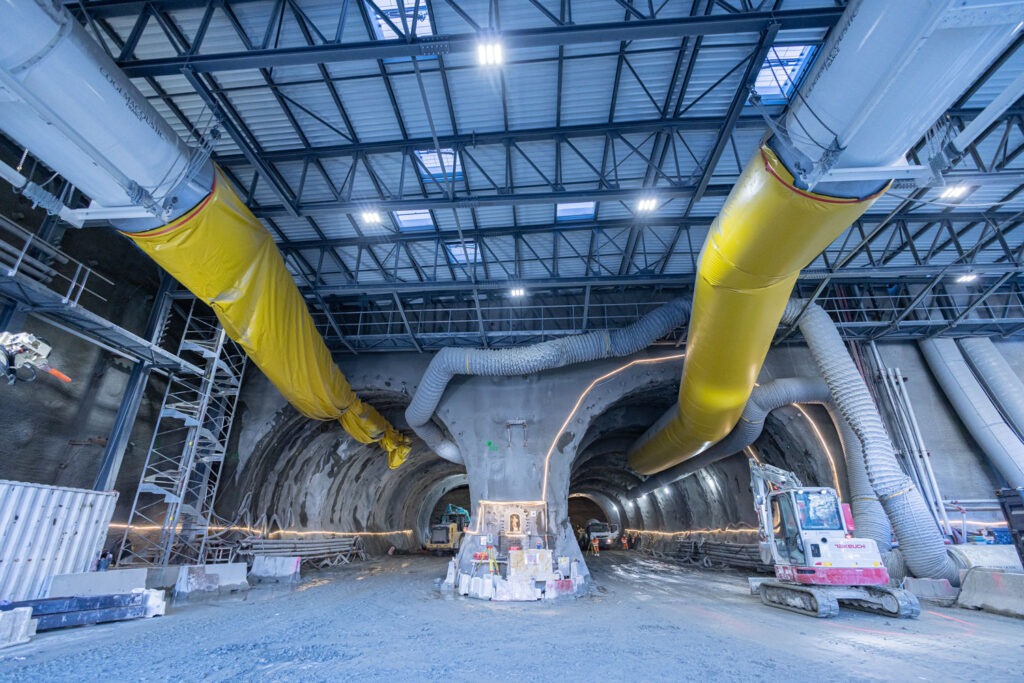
(922, 451)
(66, 101)
(890, 69)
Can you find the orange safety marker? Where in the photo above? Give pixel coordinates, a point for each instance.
(58, 374)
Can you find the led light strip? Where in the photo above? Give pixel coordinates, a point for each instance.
(579, 401)
(297, 532)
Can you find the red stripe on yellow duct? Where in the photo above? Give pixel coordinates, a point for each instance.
(767, 231)
(224, 256)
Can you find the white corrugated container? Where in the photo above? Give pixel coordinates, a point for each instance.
(48, 530)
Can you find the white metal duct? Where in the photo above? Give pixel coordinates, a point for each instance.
(48, 530)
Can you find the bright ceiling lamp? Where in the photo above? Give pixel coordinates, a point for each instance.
(517, 291)
(967, 277)
(489, 53)
(953, 192)
(371, 217)
(646, 205)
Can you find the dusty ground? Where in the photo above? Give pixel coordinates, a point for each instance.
(646, 621)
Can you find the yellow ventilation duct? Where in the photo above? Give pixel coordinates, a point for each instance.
(224, 256)
(766, 233)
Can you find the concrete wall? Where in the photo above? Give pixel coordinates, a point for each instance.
(960, 466)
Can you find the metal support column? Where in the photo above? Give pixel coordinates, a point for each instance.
(135, 389)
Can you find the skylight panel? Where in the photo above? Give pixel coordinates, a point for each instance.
(782, 71)
(414, 220)
(414, 11)
(442, 165)
(575, 211)
(462, 252)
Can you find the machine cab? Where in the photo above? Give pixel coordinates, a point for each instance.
(799, 519)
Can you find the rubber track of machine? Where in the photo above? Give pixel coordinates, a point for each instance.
(812, 602)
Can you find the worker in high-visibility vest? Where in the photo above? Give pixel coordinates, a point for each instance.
(595, 545)
(625, 543)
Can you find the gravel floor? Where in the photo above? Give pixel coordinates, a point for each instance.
(645, 621)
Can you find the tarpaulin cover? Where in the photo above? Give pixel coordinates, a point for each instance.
(224, 256)
(767, 231)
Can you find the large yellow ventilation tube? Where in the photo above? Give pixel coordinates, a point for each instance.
(766, 233)
(224, 256)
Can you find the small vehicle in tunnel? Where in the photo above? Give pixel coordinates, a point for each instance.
(447, 533)
(817, 561)
(607, 535)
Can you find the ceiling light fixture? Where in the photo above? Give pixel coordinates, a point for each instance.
(517, 291)
(489, 53)
(967, 277)
(646, 205)
(953, 192)
(371, 217)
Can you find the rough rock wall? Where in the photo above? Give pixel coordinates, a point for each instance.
(55, 432)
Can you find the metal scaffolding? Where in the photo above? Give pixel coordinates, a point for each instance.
(171, 515)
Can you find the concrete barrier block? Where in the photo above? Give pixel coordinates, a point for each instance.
(280, 569)
(162, 577)
(524, 590)
(156, 602)
(502, 590)
(556, 588)
(230, 577)
(453, 570)
(969, 555)
(194, 579)
(993, 590)
(16, 626)
(113, 582)
(937, 591)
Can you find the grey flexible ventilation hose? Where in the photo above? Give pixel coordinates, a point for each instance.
(996, 375)
(921, 543)
(1000, 382)
(977, 412)
(868, 514)
(527, 360)
(764, 399)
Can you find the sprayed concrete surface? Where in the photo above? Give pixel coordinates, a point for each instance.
(646, 620)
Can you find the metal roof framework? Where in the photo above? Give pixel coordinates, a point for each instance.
(322, 119)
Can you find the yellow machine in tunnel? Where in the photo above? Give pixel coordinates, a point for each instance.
(765, 234)
(224, 256)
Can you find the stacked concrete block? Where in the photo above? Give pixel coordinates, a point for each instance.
(83, 584)
(275, 569)
(211, 578)
(16, 626)
(993, 590)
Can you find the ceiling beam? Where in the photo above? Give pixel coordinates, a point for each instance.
(706, 124)
(462, 200)
(576, 34)
(908, 274)
(574, 226)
